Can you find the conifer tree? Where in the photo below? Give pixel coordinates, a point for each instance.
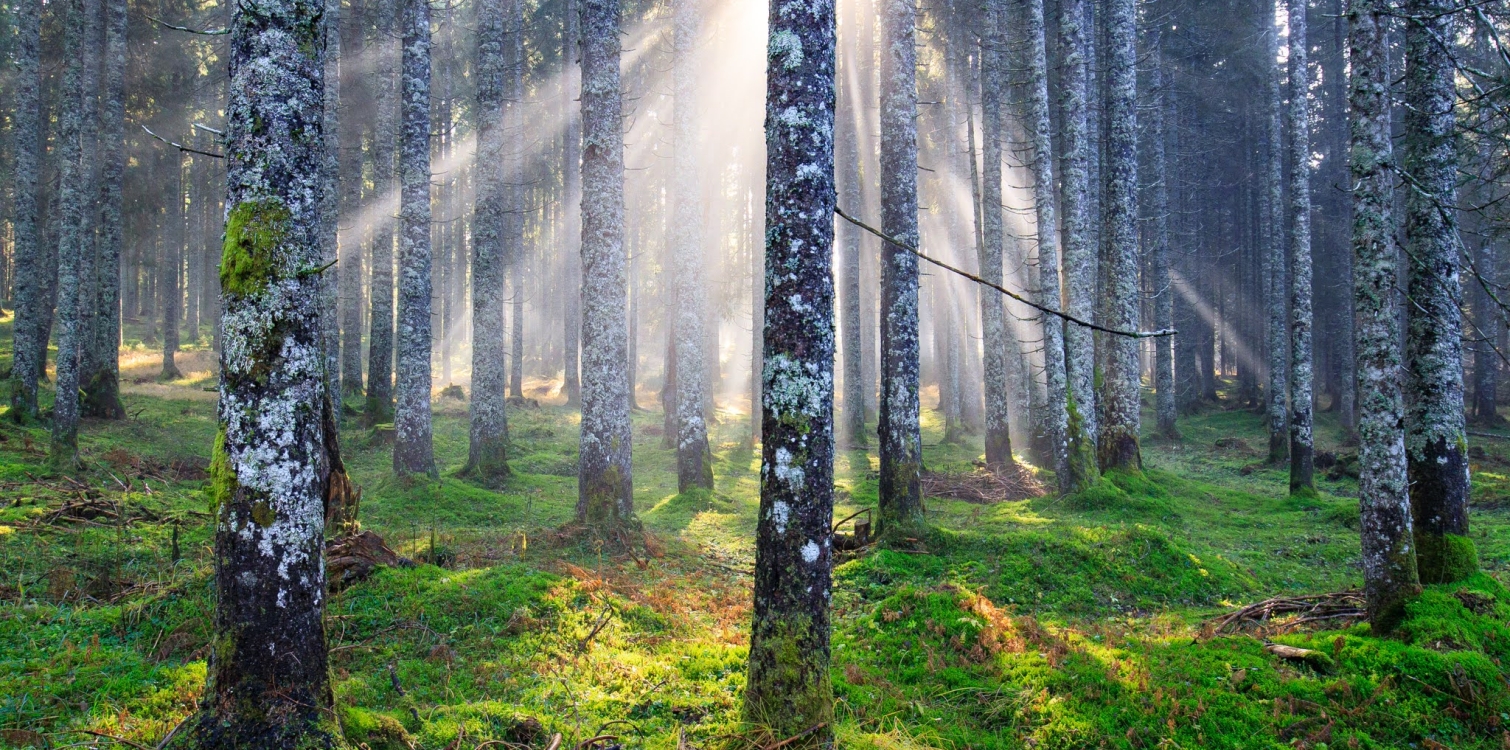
(489, 434)
(413, 449)
(694, 458)
(1302, 442)
(28, 353)
(1079, 249)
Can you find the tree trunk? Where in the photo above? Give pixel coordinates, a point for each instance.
(101, 381)
(901, 501)
(1165, 407)
(605, 498)
(851, 329)
(1121, 296)
(28, 356)
(992, 313)
(276, 455)
(694, 459)
(513, 190)
(1274, 259)
(1302, 356)
(379, 408)
(1389, 560)
(788, 689)
(170, 273)
(1435, 440)
(487, 450)
(1486, 361)
(1079, 252)
(1055, 418)
(352, 83)
(571, 188)
(413, 449)
(77, 130)
(330, 203)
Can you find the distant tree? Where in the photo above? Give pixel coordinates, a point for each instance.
(850, 176)
(1302, 357)
(353, 84)
(1079, 248)
(28, 353)
(1275, 295)
(1389, 560)
(901, 501)
(413, 448)
(1121, 295)
(78, 129)
(571, 188)
(514, 249)
(1434, 438)
(1165, 407)
(101, 374)
(1486, 359)
(993, 320)
(788, 689)
(605, 499)
(379, 407)
(330, 202)
(276, 453)
(488, 447)
(170, 274)
(694, 459)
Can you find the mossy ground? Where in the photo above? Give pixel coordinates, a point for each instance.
(1071, 622)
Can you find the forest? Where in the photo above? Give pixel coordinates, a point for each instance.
(754, 375)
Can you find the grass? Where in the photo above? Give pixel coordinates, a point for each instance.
(1050, 623)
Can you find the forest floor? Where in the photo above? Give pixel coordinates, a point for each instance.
(1044, 622)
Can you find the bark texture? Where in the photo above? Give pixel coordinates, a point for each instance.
(28, 353)
(1055, 425)
(1121, 295)
(330, 203)
(487, 449)
(413, 449)
(849, 175)
(276, 454)
(1434, 430)
(992, 312)
(1302, 358)
(1079, 251)
(572, 187)
(379, 408)
(901, 501)
(1389, 559)
(605, 498)
(789, 689)
(1275, 304)
(694, 459)
(101, 378)
(353, 81)
(1166, 407)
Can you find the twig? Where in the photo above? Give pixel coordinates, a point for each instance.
(121, 740)
(182, 147)
(602, 623)
(590, 741)
(1002, 289)
(798, 736)
(201, 32)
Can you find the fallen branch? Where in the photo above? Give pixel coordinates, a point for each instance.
(983, 486)
(1014, 295)
(797, 736)
(1296, 611)
(112, 737)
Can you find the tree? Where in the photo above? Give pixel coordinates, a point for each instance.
(487, 450)
(788, 689)
(571, 85)
(1165, 407)
(1389, 562)
(171, 273)
(605, 498)
(694, 458)
(101, 376)
(1121, 296)
(851, 329)
(901, 500)
(276, 453)
(26, 109)
(1302, 442)
(1055, 424)
(1275, 306)
(1435, 439)
(352, 82)
(1079, 251)
(379, 407)
(77, 131)
(993, 321)
(413, 449)
(330, 201)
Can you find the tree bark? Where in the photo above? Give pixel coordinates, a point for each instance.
(1165, 407)
(1274, 271)
(992, 312)
(571, 187)
(330, 203)
(852, 330)
(170, 273)
(1486, 361)
(1302, 356)
(1121, 296)
(1389, 560)
(28, 357)
(413, 448)
(513, 190)
(350, 280)
(379, 408)
(1079, 252)
(605, 498)
(101, 380)
(788, 689)
(276, 454)
(1434, 432)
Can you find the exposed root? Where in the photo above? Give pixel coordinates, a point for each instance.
(1285, 613)
(984, 485)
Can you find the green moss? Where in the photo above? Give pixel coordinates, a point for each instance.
(222, 476)
(792, 690)
(1445, 558)
(263, 514)
(253, 232)
(1082, 469)
(375, 730)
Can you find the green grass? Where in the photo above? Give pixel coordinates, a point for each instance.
(1051, 623)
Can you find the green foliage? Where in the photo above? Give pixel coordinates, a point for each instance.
(1445, 558)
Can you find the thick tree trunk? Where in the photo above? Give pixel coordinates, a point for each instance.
(379, 407)
(605, 498)
(789, 690)
(1079, 252)
(276, 455)
(1055, 422)
(1275, 297)
(1435, 440)
(77, 131)
(992, 313)
(1389, 559)
(413, 448)
(571, 187)
(1302, 356)
(1165, 407)
(26, 112)
(101, 380)
(1121, 296)
(901, 502)
(694, 459)
(487, 450)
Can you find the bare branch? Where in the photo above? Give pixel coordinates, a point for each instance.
(182, 147)
(201, 32)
